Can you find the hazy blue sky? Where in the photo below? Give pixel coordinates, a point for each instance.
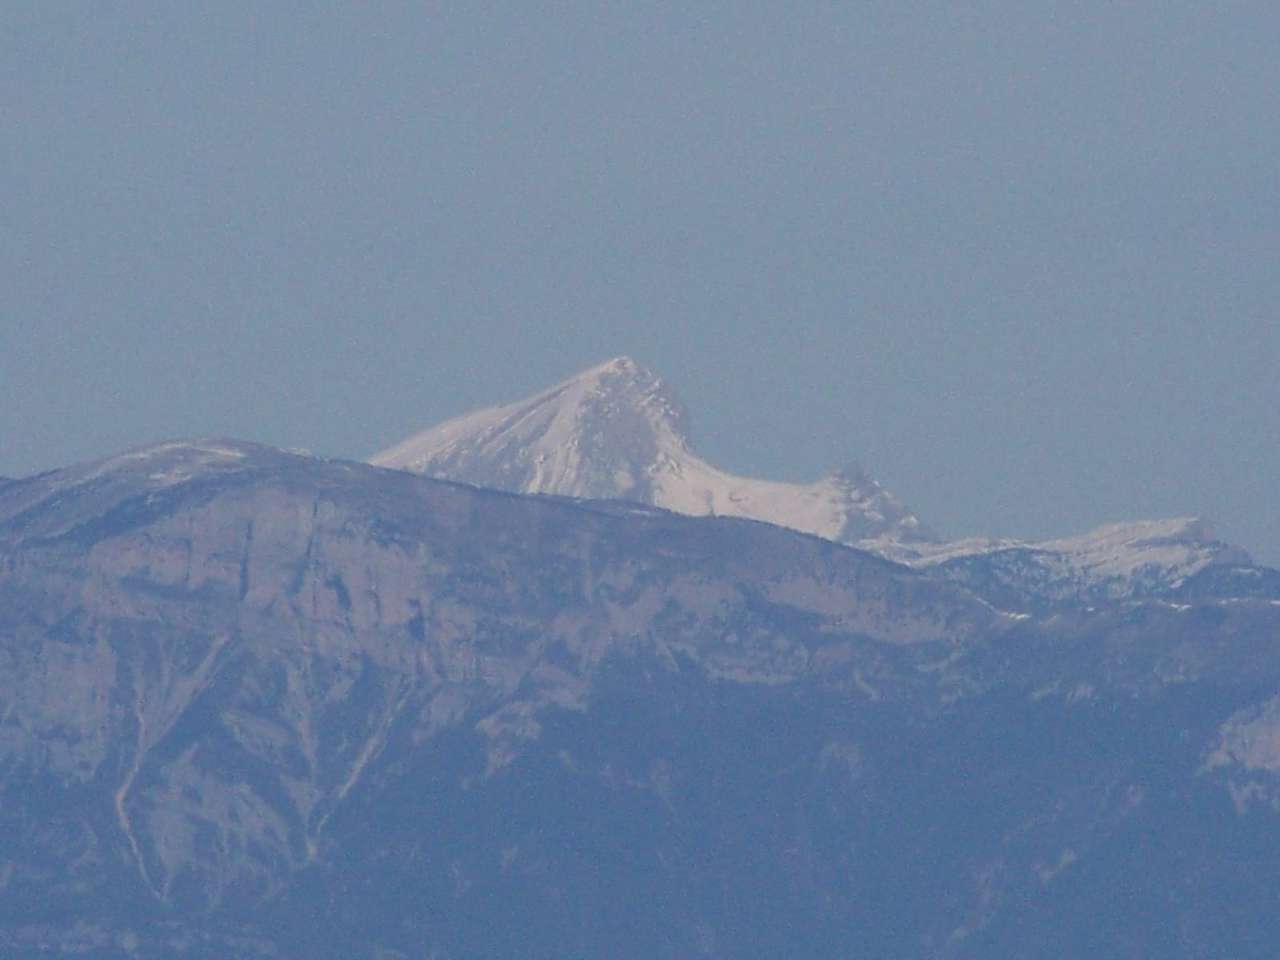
(1020, 260)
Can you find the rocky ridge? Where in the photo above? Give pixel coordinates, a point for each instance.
(266, 705)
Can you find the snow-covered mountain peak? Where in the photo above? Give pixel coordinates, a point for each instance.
(619, 395)
(616, 431)
(596, 435)
(621, 365)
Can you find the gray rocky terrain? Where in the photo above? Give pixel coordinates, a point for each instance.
(256, 704)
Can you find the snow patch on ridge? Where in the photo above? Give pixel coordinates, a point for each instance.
(166, 464)
(1180, 546)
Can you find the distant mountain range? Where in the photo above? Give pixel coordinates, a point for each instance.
(578, 693)
(616, 431)
(262, 705)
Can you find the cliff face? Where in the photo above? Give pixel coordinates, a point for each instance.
(255, 704)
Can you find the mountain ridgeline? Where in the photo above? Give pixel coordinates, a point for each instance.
(256, 704)
(617, 431)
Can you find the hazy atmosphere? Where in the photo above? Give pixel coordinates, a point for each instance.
(1021, 266)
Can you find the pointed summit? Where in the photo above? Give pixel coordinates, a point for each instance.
(622, 365)
(616, 432)
(593, 435)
